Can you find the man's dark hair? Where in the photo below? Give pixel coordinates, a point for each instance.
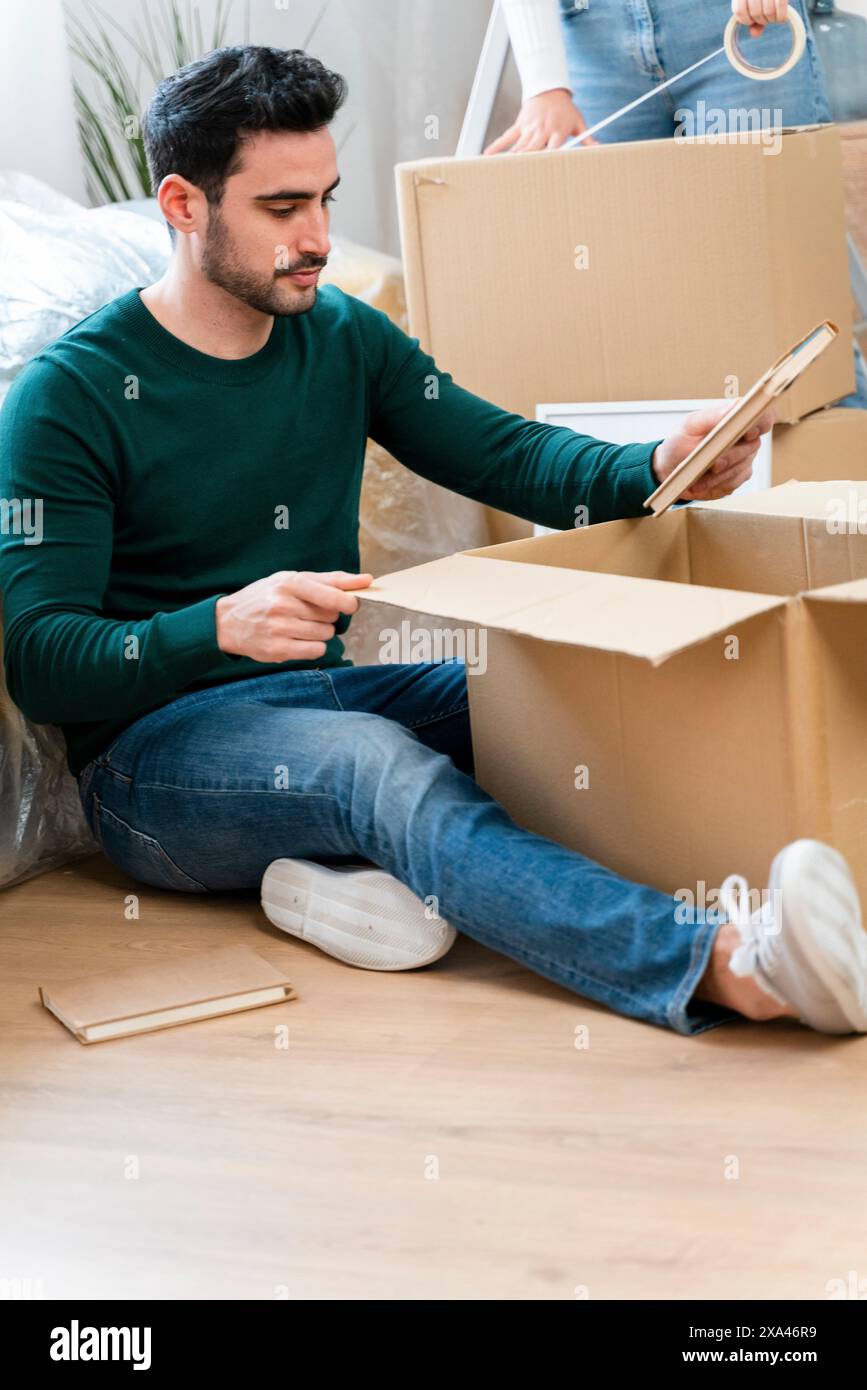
(198, 118)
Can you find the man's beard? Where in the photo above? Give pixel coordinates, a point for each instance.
(221, 265)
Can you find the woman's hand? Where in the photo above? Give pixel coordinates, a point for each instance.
(544, 122)
(758, 13)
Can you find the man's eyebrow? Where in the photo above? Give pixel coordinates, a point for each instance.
(285, 196)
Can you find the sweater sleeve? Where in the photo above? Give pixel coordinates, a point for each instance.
(64, 660)
(537, 43)
(461, 441)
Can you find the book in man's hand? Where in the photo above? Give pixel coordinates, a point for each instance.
(142, 998)
(742, 416)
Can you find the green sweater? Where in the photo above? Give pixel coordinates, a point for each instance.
(165, 478)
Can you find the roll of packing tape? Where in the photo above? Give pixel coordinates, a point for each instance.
(739, 62)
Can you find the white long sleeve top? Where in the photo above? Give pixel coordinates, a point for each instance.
(537, 43)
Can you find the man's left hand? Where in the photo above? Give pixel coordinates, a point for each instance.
(730, 470)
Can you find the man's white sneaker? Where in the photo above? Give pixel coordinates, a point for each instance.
(364, 917)
(805, 945)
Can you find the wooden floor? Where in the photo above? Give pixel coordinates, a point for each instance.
(434, 1134)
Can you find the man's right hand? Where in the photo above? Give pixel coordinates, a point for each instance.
(287, 616)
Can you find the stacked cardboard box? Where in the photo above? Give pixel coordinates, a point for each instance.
(854, 150)
(662, 270)
(828, 444)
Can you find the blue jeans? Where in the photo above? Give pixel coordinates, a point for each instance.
(617, 50)
(375, 763)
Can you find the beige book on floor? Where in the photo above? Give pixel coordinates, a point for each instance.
(742, 416)
(143, 998)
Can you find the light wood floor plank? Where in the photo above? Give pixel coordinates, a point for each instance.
(307, 1172)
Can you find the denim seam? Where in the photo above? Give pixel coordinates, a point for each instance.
(337, 699)
(231, 791)
(645, 49)
(817, 75)
(459, 708)
(529, 957)
(85, 780)
(97, 827)
(144, 838)
(701, 948)
(115, 772)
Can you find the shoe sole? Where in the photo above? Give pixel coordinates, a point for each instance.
(363, 917)
(825, 916)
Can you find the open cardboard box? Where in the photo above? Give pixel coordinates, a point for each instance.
(677, 696)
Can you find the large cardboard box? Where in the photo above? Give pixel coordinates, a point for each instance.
(854, 151)
(676, 696)
(661, 269)
(656, 270)
(830, 444)
(854, 154)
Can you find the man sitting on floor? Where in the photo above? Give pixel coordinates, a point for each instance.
(186, 640)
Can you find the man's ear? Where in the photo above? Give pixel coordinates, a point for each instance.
(182, 204)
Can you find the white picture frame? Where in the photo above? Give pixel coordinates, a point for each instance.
(631, 422)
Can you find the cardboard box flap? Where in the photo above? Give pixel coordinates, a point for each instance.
(647, 618)
(813, 501)
(854, 591)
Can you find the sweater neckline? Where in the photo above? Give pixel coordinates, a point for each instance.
(221, 370)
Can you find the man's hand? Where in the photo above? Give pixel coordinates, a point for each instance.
(730, 470)
(758, 13)
(287, 616)
(544, 122)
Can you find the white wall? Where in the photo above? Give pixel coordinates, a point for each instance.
(404, 60)
(37, 123)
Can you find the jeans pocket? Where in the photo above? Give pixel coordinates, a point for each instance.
(137, 854)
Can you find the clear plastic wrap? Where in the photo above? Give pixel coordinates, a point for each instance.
(42, 824)
(59, 262)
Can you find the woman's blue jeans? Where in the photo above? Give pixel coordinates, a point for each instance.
(617, 50)
(375, 763)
